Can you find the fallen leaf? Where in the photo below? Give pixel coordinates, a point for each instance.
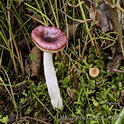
(35, 57)
(113, 16)
(114, 65)
(67, 120)
(23, 44)
(121, 99)
(76, 84)
(105, 13)
(99, 16)
(70, 94)
(27, 66)
(12, 117)
(122, 21)
(110, 20)
(71, 31)
(94, 15)
(36, 63)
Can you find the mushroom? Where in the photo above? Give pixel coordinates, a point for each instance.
(94, 72)
(50, 40)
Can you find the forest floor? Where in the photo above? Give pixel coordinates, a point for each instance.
(95, 39)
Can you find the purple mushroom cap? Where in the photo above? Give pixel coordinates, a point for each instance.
(49, 39)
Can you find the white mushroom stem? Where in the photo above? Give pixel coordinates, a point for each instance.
(51, 81)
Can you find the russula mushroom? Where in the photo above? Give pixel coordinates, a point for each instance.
(50, 40)
(94, 72)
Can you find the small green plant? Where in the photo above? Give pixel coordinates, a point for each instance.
(4, 120)
(120, 119)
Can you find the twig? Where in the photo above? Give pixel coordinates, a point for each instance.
(77, 5)
(115, 70)
(111, 103)
(77, 20)
(27, 117)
